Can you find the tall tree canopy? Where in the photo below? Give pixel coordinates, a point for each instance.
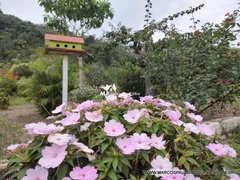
(77, 16)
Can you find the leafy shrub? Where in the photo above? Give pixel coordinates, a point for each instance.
(83, 93)
(122, 139)
(44, 86)
(4, 99)
(8, 82)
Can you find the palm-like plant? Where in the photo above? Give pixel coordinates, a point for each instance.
(44, 87)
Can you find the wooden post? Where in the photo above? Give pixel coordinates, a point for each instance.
(65, 80)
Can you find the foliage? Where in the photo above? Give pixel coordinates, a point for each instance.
(198, 66)
(4, 99)
(44, 86)
(22, 69)
(8, 82)
(84, 93)
(19, 38)
(75, 16)
(100, 145)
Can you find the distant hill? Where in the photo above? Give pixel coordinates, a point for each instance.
(19, 38)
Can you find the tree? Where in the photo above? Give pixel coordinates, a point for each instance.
(76, 16)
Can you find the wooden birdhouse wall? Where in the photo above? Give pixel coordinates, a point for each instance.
(64, 45)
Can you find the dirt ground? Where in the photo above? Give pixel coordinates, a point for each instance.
(12, 122)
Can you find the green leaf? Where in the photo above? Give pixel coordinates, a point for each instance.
(182, 160)
(107, 160)
(125, 171)
(115, 163)
(132, 177)
(126, 162)
(144, 177)
(114, 117)
(112, 175)
(22, 172)
(138, 130)
(101, 175)
(145, 156)
(131, 128)
(193, 161)
(104, 146)
(62, 171)
(187, 166)
(105, 116)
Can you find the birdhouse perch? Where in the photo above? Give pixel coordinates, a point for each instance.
(64, 45)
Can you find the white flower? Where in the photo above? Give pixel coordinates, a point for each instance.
(161, 164)
(194, 117)
(59, 139)
(124, 95)
(85, 127)
(190, 127)
(83, 147)
(157, 142)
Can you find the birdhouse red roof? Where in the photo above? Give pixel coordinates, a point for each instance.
(53, 37)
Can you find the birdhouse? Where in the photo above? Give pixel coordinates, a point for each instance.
(64, 45)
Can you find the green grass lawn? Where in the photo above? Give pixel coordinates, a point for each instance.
(16, 101)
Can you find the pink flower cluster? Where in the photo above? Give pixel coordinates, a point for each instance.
(42, 128)
(139, 142)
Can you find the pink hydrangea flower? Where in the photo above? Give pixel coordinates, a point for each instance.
(71, 119)
(59, 139)
(231, 152)
(161, 164)
(205, 129)
(42, 128)
(111, 98)
(125, 144)
(141, 141)
(94, 116)
(179, 176)
(124, 95)
(147, 99)
(190, 127)
(85, 105)
(218, 149)
(174, 116)
(132, 116)
(194, 117)
(190, 106)
(53, 156)
(85, 173)
(157, 142)
(59, 108)
(38, 173)
(114, 128)
(191, 177)
(83, 147)
(85, 127)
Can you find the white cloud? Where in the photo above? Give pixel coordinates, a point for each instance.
(131, 12)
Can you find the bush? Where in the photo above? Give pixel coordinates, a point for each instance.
(4, 99)
(44, 86)
(8, 82)
(123, 139)
(83, 93)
